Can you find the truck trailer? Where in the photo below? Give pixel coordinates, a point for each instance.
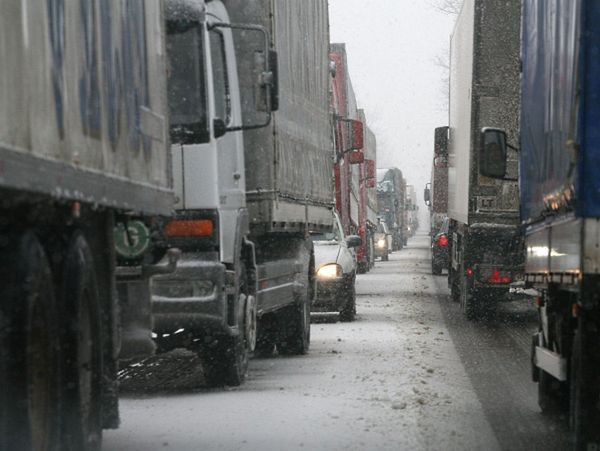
(436, 191)
(485, 241)
(391, 204)
(85, 176)
(348, 144)
(355, 150)
(560, 204)
(365, 253)
(250, 183)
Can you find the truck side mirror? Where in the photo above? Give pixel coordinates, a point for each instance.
(356, 157)
(441, 141)
(427, 194)
(493, 153)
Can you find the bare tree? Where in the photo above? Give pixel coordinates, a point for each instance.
(447, 6)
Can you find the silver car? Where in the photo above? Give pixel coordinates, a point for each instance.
(335, 265)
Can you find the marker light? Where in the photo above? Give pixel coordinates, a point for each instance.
(190, 228)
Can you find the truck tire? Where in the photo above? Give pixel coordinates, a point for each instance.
(296, 329)
(469, 302)
(348, 313)
(226, 361)
(30, 357)
(584, 392)
(82, 347)
(296, 318)
(266, 336)
(552, 394)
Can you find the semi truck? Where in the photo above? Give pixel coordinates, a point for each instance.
(355, 153)
(85, 177)
(348, 133)
(365, 253)
(252, 174)
(411, 208)
(485, 241)
(391, 204)
(560, 206)
(436, 191)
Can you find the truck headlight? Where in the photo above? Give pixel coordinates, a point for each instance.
(381, 243)
(329, 271)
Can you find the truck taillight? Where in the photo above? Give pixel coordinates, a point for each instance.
(442, 240)
(499, 277)
(190, 228)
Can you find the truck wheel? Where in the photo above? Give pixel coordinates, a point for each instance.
(585, 392)
(226, 362)
(469, 303)
(348, 313)
(30, 391)
(552, 394)
(266, 336)
(296, 329)
(82, 346)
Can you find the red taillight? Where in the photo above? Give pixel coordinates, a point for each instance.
(498, 277)
(470, 272)
(442, 240)
(190, 228)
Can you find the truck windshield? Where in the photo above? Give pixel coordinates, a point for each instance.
(187, 87)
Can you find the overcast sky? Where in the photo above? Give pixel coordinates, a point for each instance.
(392, 46)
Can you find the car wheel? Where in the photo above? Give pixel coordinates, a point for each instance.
(348, 313)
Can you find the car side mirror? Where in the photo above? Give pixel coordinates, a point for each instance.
(493, 153)
(353, 241)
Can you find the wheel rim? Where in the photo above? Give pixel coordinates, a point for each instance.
(251, 323)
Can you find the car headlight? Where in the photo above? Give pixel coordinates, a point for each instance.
(329, 271)
(381, 243)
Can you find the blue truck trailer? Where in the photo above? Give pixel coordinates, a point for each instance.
(560, 203)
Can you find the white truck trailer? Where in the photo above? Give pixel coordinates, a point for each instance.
(486, 245)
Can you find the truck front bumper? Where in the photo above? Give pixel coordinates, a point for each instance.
(193, 298)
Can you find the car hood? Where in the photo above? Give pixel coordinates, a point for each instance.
(326, 253)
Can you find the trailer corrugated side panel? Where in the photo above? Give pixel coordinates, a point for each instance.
(560, 38)
(83, 103)
(289, 163)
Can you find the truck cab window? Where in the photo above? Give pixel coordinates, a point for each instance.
(220, 78)
(187, 87)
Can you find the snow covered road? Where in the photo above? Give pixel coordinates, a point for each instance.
(409, 374)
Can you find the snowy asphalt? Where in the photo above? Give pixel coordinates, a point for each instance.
(409, 374)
